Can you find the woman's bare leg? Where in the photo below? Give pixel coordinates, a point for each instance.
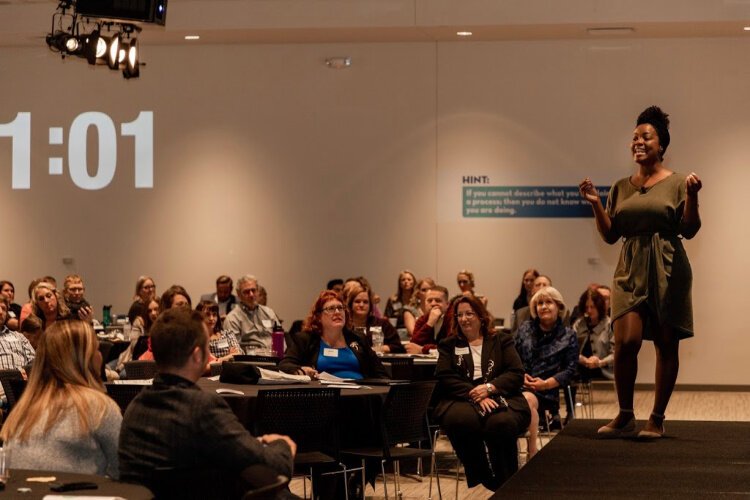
(534, 425)
(667, 346)
(628, 339)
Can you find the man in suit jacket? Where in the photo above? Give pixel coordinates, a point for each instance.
(175, 424)
(223, 296)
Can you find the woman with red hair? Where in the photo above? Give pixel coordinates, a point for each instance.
(326, 345)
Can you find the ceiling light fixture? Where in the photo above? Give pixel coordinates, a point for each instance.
(343, 62)
(464, 33)
(192, 37)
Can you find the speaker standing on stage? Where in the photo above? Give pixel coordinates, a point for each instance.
(650, 210)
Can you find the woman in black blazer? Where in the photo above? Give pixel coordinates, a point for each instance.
(481, 406)
(326, 345)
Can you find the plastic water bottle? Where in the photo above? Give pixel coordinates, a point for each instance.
(377, 338)
(107, 316)
(277, 341)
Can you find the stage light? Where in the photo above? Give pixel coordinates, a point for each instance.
(132, 64)
(123, 53)
(113, 51)
(95, 46)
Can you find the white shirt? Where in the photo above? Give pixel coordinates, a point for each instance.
(476, 357)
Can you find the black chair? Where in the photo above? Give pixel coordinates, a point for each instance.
(104, 348)
(5, 379)
(403, 419)
(400, 368)
(267, 491)
(123, 394)
(140, 370)
(310, 417)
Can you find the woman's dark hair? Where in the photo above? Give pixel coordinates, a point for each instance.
(144, 314)
(654, 116)
(523, 300)
(598, 300)
(168, 297)
(486, 326)
(209, 305)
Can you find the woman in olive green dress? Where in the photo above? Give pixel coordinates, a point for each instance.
(650, 210)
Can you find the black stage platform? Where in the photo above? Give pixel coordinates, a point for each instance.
(695, 460)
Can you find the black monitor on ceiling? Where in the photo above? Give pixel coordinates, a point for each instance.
(147, 11)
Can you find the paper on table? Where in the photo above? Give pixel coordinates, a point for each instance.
(270, 375)
(345, 386)
(326, 377)
(145, 381)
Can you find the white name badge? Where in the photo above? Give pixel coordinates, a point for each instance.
(267, 323)
(460, 351)
(330, 353)
(222, 344)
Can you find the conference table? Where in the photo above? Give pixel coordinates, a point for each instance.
(106, 488)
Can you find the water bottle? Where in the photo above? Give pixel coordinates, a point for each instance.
(107, 316)
(377, 338)
(277, 341)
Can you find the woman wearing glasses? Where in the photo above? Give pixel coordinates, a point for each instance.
(481, 407)
(465, 282)
(326, 345)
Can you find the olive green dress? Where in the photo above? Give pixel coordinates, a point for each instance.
(653, 268)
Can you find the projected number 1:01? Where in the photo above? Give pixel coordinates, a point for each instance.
(142, 129)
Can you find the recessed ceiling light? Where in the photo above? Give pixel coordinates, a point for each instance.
(464, 33)
(746, 28)
(192, 37)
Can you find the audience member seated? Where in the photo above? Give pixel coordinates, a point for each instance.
(223, 296)
(28, 308)
(64, 421)
(417, 305)
(465, 281)
(14, 310)
(49, 306)
(480, 377)
(364, 283)
(524, 314)
(424, 337)
(174, 297)
(175, 424)
(251, 322)
(139, 335)
(527, 289)
(263, 296)
(398, 302)
(326, 345)
(73, 291)
(336, 284)
(145, 290)
(222, 344)
(31, 328)
(596, 341)
(360, 319)
(15, 350)
(549, 352)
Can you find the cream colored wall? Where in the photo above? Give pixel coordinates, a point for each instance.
(268, 162)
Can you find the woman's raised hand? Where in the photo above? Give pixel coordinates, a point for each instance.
(693, 184)
(588, 190)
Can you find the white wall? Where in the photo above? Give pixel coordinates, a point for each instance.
(268, 162)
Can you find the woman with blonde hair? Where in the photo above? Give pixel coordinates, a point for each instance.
(64, 421)
(48, 304)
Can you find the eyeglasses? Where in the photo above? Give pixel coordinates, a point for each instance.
(249, 291)
(333, 309)
(463, 282)
(467, 315)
